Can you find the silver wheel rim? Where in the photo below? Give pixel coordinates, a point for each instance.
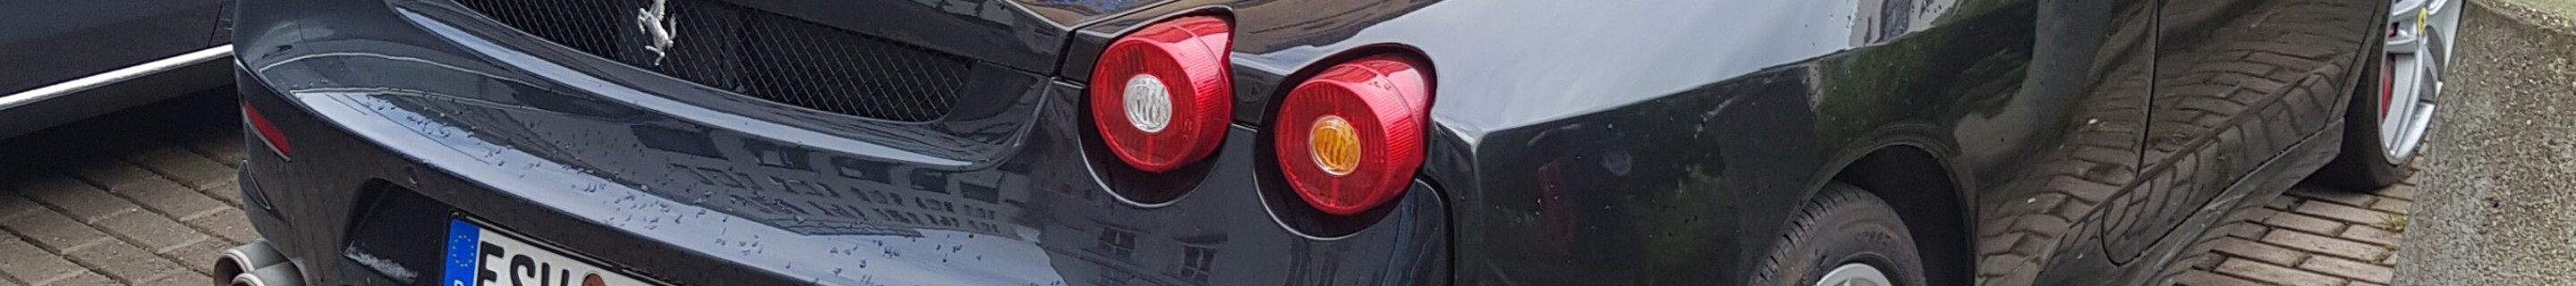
(2419, 34)
(1855, 274)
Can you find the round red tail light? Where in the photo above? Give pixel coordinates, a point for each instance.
(1161, 96)
(1351, 137)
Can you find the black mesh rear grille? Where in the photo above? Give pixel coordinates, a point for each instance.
(752, 52)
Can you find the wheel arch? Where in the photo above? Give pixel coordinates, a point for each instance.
(1899, 172)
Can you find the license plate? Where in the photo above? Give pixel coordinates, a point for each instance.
(478, 256)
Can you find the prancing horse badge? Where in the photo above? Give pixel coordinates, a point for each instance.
(657, 23)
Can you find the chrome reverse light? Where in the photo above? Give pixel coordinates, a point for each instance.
(1149, 104)
(1161, 97)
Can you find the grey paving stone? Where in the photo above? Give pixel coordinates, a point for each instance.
(182, 278)
(2360, 271)
(150, 231)
(103, 171)
(84, 278)
(77, 199)
(125, 262)
(227, 191)
(199, 256)
(27, 263)
(170, 198)
(229, 224)
(2276, 274)
(180, 165)
(2205, 278)
(11, 205)
(53, 230)
(224, 147)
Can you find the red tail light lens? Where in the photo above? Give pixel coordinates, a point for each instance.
(267, 132)
(1351, 138)
(1161, 96)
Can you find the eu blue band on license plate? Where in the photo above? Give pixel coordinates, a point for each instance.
(483, 256)
(462, 238)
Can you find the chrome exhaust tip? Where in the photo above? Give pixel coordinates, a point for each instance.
(246, 265)
(282, 274)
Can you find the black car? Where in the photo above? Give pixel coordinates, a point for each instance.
(62, 61)
(1313, 142)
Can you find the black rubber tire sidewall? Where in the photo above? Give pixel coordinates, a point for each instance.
(1842, 224)
(2364, 164)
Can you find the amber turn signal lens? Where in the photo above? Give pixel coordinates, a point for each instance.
(1336, 145)
(1351, 137)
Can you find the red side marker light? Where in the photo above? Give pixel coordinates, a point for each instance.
(267, 132)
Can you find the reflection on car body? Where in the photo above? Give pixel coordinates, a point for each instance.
(1993, 142)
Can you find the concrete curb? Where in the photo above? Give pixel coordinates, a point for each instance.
(2526, 15)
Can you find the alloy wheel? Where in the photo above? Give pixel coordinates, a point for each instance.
(1855, 274)
(2419, 35)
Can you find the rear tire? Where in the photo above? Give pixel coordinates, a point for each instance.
(1842, 227)
(2389, 118)
(2364, 164)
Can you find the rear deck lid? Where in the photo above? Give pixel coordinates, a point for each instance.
(900, 60)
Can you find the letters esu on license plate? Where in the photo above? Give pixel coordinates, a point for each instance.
(478, 256)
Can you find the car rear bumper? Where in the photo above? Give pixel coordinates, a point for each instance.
(400, 121)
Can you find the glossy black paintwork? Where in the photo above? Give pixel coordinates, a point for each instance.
(1023, 34)
(604, 159)
(54, 41)
(2028, 142)
(50, 42)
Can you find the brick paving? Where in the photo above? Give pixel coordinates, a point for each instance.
(2312, 236)
(146, 197)
(142, 197)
